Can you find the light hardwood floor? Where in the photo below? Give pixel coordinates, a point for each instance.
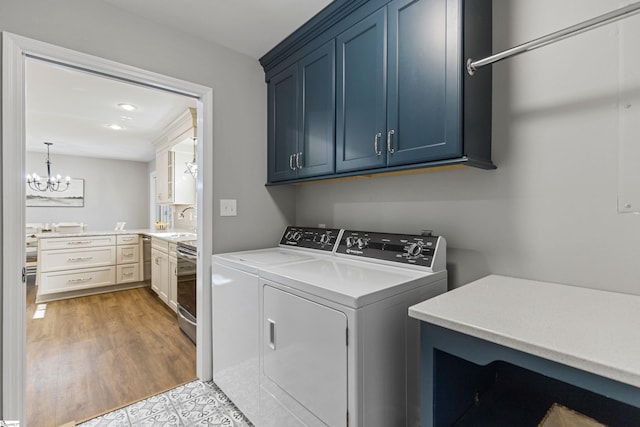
(93, 354)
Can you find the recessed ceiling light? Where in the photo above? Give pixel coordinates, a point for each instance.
(127, 107)
(115, 127)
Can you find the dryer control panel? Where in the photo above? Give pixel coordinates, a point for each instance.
(424, 251)
(323, 239)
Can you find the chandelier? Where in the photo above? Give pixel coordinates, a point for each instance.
(53, 183)
(192, 166)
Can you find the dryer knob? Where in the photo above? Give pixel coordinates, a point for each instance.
(414, 249)
(350, 241)
(297, 236)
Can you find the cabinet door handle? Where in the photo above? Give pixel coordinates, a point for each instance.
(298, 156)
(376, 144)
(390, 149)
(272, 334)
(291, 162)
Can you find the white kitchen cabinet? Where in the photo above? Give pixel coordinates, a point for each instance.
(86, 264)
(173, 280)
(174, 185)
(128, 259)
(159, 274)
(164, 280)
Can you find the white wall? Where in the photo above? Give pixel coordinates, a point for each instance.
(239, 92)
(115, 190)
(549, 211)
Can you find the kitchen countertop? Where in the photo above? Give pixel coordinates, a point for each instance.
(168, 235)
(592, 330)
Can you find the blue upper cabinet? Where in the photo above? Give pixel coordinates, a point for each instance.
(388, 78)
(301, 112)
(283, 125)
(362, 108)
(424, 77)
(317, 112)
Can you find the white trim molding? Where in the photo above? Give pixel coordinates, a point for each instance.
(13, 294)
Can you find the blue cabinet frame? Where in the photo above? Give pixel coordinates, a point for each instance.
(402, 97)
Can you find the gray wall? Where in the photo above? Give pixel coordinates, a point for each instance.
(115, 190)
(239, 93)
(549, 211)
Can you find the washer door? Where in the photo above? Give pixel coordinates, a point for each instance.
(305, 353)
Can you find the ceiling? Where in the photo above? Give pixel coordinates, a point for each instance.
(252, 27)
(73, 109)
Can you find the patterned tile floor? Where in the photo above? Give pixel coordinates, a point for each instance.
(193, 404)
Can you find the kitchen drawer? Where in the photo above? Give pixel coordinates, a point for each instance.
(54, 282)
(159, 244)
(128, 239)
(65, 259)
(128, 273)
(128, 254)
(76, 242)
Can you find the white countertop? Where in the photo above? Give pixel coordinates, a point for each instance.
(593, 330)
(169, 235)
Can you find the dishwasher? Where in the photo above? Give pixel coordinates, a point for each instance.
(146, 256)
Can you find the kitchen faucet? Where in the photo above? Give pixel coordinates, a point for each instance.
(186, 209)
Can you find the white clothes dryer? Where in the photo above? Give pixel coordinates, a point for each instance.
(235, 302)
(337, 347)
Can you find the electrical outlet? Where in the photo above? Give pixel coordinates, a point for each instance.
(228, 207)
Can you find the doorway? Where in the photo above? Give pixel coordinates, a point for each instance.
(15, 50)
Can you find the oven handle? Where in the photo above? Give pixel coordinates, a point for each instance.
(186, 255)
(184, 316)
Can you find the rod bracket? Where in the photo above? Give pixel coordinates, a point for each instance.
(471, 70)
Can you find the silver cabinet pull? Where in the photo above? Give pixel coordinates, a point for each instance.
(79, 242)
(82, 279)
(80, 258)
(272, 334)
(390, 149)
(376, 144)
(298, 156)
(128, 274)
(291, 162)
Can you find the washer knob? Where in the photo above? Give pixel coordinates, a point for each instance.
(414, 249)
(325, 238)
(297, 235)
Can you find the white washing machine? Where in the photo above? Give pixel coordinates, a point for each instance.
(236, 309)
(337, 345)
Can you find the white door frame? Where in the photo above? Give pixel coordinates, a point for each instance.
(12, 138)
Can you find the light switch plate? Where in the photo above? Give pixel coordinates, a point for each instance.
(228, 207)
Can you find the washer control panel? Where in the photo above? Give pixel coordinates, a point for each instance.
(405, 249)
(323, 239)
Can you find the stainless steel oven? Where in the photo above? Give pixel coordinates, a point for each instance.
(186, 272)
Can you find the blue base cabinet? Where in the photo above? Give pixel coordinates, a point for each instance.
(401, 96)
(469, 382)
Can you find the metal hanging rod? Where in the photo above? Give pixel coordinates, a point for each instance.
(607, 18)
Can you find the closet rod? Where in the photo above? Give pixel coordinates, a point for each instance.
(616, 15)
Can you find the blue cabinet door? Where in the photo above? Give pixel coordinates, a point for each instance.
(361, 95)
(283, 124)
(424, 81)
(317, 112)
